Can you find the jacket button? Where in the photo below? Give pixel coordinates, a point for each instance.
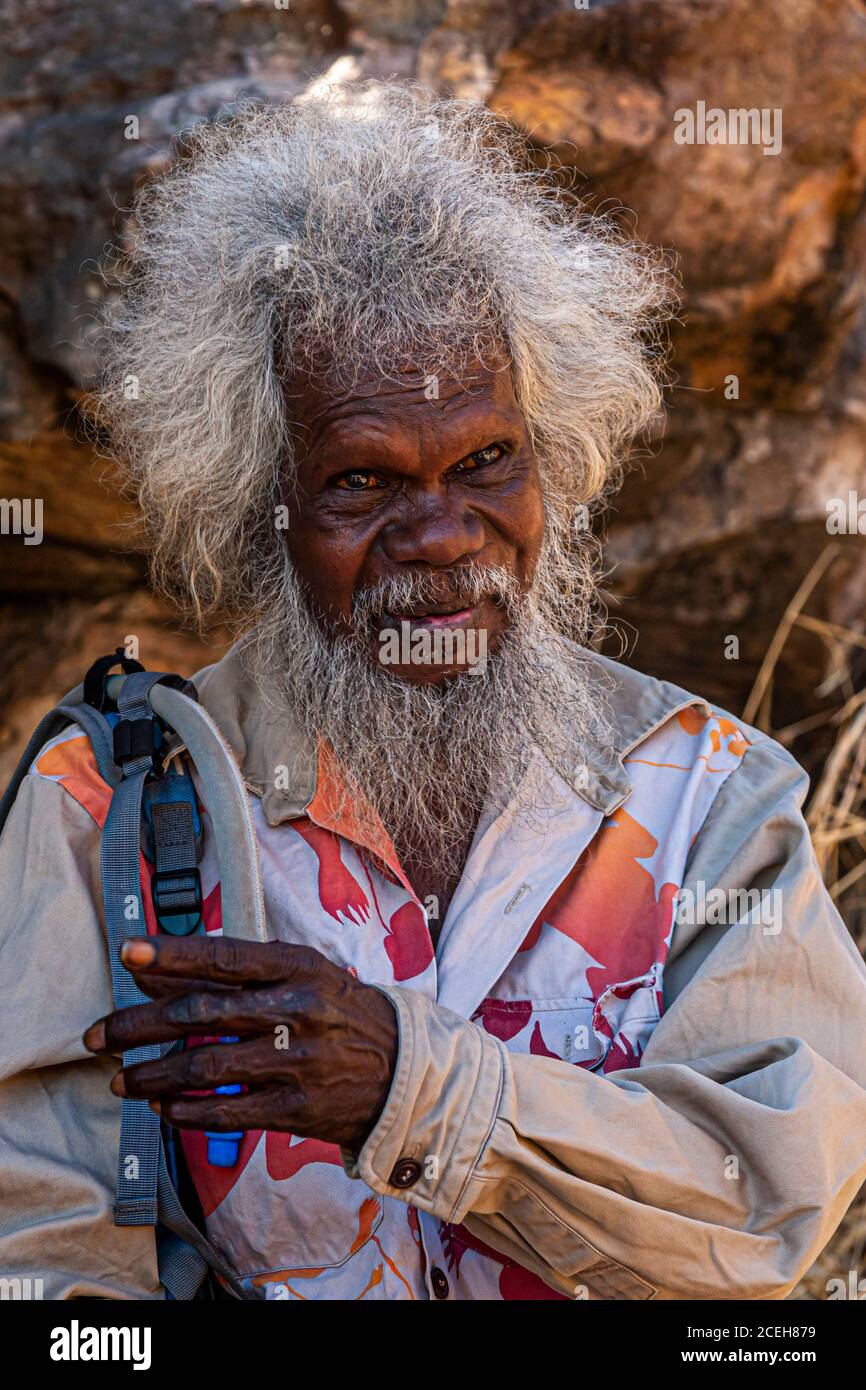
(406, 1172)
(439, 1282)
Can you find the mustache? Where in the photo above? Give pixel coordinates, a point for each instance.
(422, 590)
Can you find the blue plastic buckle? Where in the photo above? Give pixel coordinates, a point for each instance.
(223, 1149)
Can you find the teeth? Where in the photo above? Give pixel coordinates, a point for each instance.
(430, 613)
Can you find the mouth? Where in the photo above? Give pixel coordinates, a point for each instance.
(440, 615)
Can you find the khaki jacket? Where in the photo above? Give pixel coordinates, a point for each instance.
(704, 1144)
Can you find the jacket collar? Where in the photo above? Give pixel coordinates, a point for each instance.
(279, 764)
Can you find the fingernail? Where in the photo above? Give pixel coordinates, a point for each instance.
(94, 1038)
(117, 1084)
(137, 953)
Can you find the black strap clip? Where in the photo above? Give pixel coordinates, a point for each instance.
(177, 894)
(176, 881)
(137, 738)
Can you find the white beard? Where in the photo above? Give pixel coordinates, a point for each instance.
(430, 758)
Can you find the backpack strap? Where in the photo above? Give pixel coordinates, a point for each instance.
(243, 904)
(83, 706)
(183, 1252)
(136, 737)
(174, 834)
(125, 749)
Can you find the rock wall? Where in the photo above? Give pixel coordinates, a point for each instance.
(713, 532)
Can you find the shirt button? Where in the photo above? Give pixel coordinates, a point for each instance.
(439, 1282)
(406, 1172)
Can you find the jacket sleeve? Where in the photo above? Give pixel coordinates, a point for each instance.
(59, 1123)
(718, 1168)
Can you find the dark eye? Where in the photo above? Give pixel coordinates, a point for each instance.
(358, 481)
(481, 458)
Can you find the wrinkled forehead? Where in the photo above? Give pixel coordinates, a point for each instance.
(316, 399)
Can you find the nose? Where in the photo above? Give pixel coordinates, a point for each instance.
(434, 530)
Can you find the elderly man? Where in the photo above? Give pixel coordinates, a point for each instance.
(569, 1012)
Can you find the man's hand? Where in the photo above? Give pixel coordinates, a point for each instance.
(316, 1050)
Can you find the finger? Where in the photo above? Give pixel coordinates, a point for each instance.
(167, 987)
(223, 959)
(229, 1011)
(269, 1108)
(254, 1063)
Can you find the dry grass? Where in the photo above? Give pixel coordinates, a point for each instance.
(836, 815)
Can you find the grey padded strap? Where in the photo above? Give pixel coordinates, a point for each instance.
(52, 724)
(140, 1140)
(69, 709)
(98, 730)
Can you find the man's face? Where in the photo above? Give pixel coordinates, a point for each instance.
(392, 483)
